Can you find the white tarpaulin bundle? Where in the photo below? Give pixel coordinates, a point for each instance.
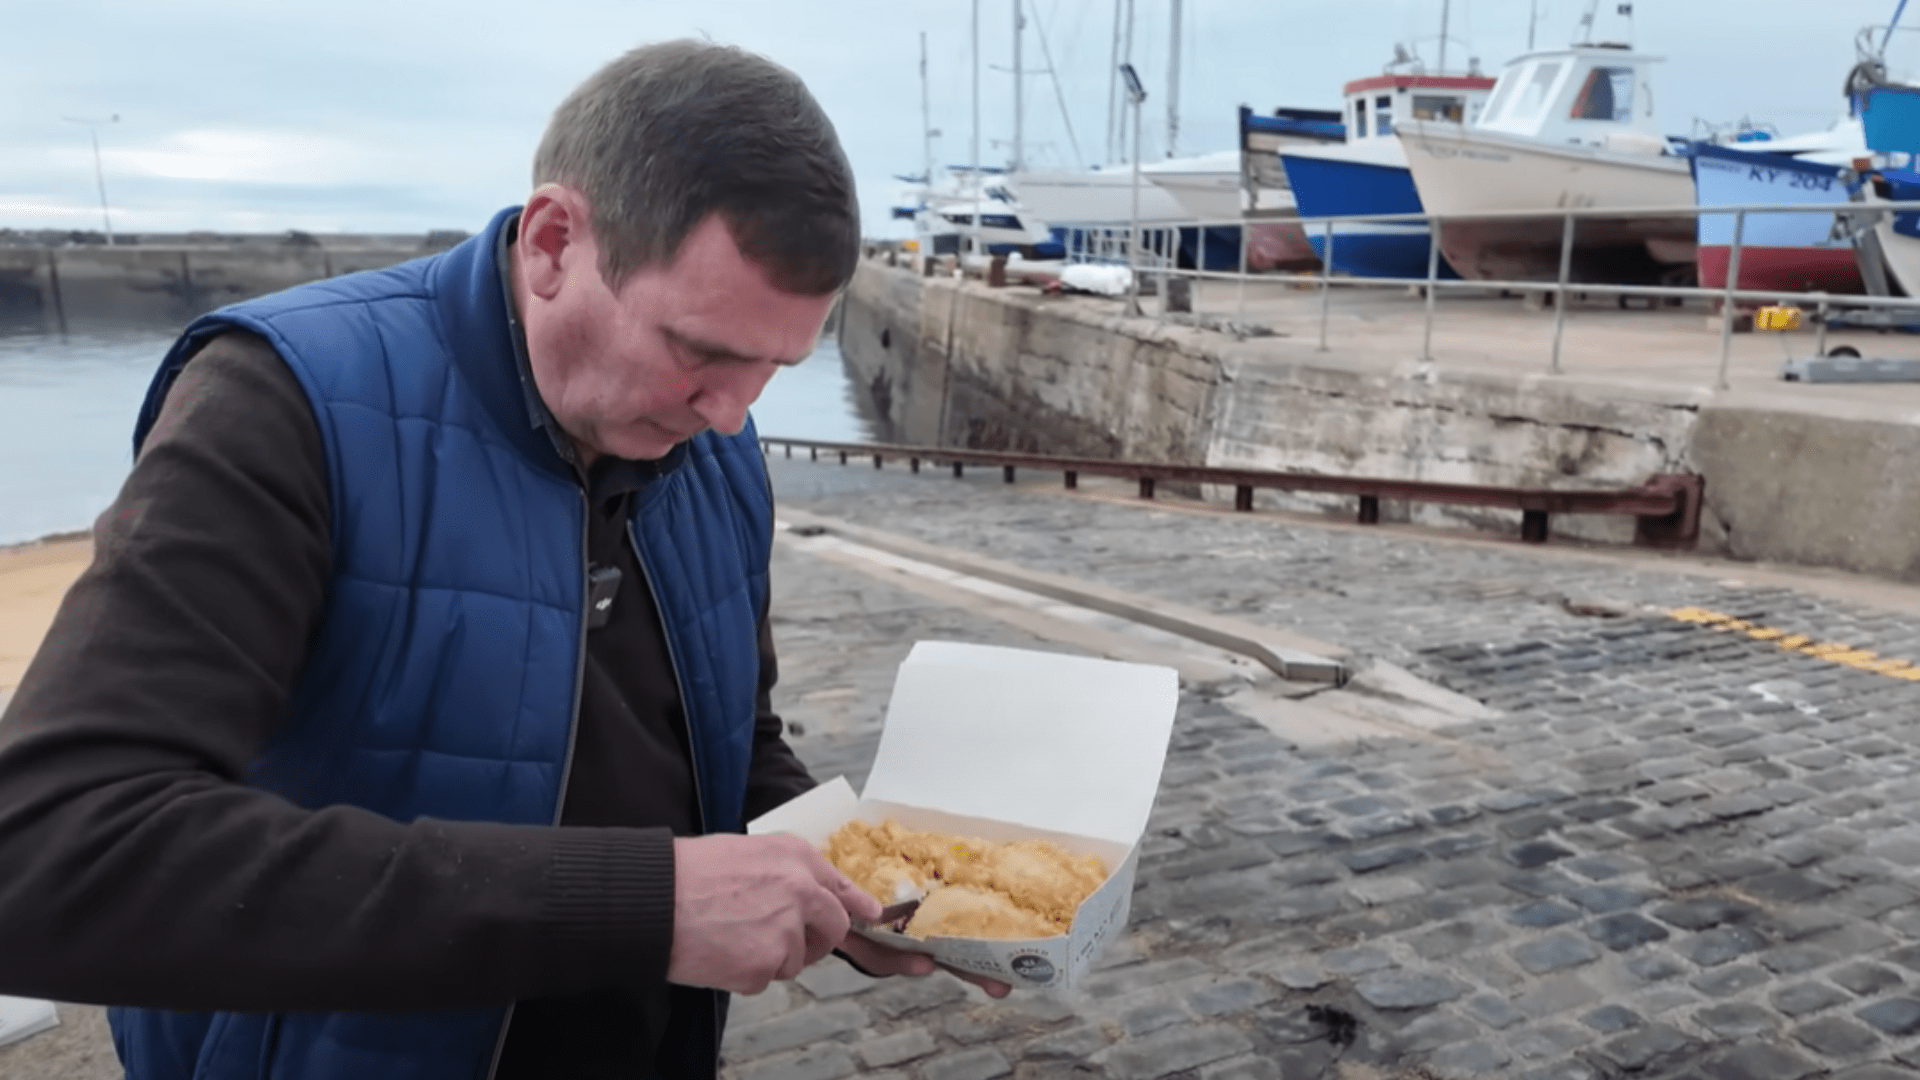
(1105, 280)
(21, 1017)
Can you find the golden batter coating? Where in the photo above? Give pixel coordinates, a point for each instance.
(973, 888)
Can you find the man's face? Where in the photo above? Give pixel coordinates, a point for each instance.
(681, 347)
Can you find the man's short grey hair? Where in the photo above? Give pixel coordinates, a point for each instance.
(671, 133)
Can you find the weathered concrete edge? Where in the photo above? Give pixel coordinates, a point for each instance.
(1790, 477)
(1290, 656)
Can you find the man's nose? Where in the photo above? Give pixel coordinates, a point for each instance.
(727, 392)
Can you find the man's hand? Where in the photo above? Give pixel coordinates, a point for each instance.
(878, 959)
(751, 909)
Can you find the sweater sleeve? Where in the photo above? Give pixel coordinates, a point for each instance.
(136, 868)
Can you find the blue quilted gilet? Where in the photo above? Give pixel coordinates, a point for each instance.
(442, 682)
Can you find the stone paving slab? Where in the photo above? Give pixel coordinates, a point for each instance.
(1674, 852)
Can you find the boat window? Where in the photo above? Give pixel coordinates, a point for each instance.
(1608, 95)
(1502, 90)
(1533, 96)
(1360, 118)
(1383, 115)
(1438, 107)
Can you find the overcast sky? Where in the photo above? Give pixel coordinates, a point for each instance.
(407, 115)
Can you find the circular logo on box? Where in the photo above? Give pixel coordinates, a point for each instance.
(1033, 967)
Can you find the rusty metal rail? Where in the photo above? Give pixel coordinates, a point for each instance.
(1666, 509)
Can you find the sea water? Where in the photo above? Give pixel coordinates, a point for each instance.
(67, 408)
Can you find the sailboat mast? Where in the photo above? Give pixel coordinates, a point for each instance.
(1445, 6)
(973, 163)
(1126, 57)
(1173, 82)
(1019, 104)
(1113, 84)
(926, 113)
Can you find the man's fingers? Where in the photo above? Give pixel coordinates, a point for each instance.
(994, 987)
(797, 954)
(852, 898)
(827, 917)
(879, 959)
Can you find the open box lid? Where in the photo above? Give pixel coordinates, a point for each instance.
(1041, 740)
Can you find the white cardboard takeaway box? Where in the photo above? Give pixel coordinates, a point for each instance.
(21, 1017)
(1009, 744)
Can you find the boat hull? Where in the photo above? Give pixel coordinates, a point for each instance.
(1097, 199)
(1791, 252)
(1279, 245)
(1782, 269)
(1463, 172)
(1898, 233)
(1327, 185)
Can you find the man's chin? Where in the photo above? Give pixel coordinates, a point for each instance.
(650, 444)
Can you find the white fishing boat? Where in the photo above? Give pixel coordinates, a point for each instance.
(1096, 197)
(1895, 235)
(1368, 173)
(978, 214)
(1209, 187)
(1564, 128)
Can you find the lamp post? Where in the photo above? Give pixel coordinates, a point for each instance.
(1136, 96)
(99, 174)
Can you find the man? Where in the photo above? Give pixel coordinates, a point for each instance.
(406, 720)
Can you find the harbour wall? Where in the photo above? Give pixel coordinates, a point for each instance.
(946, 362)
(52, 288)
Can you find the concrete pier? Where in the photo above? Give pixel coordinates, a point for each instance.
(173, 278)
(1809, 474)
(1548, 830)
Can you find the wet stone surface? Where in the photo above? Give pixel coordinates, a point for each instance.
(1675, 853)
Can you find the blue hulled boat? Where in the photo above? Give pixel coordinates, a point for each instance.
(1368, 173)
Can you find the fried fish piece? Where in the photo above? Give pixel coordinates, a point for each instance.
(1026, 889)
(961, 911)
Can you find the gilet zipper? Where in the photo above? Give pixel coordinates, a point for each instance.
(686, 718)
(573, 733)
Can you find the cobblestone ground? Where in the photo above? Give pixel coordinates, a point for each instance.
(1678, 853)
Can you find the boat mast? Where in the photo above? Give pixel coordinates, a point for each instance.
(1113, 82)
(1019, 105)
(1586, 23)
(1445, 6)
(926, 114)
(1533, 19)
(1053, 74)
(973, 164)
(1173, 82)
(1126, 57)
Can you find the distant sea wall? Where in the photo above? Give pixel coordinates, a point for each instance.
(944, 362)
(170, 279)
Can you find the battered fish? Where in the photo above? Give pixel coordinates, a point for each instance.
(972, 887)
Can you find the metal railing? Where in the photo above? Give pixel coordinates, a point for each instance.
(1153, 251)
(1666, 508)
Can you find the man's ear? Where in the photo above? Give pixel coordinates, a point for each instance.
(553, 221)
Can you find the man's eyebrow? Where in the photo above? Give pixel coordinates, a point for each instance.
(715, 353)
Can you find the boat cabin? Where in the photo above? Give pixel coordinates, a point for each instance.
(1587, 95)
(1373, 104)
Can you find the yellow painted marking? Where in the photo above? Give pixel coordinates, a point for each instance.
(1834, 652)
